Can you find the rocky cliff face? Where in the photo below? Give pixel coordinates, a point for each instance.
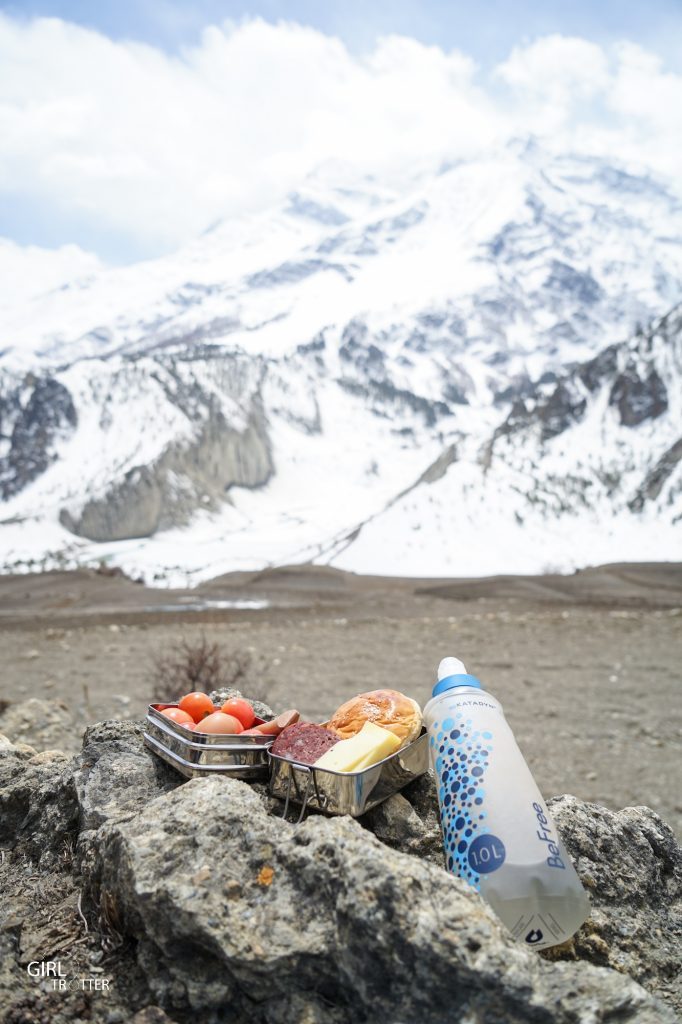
(36, 413)
(186, 477)
(221, 440)
(198, 900)
(626, 374)
(625, 386)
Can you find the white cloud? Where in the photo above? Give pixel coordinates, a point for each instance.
(155, 147)
(557, 68)
(27, 270)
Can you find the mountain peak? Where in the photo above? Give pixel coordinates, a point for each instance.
(487, 308)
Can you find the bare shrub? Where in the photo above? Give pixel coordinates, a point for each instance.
(198, 665)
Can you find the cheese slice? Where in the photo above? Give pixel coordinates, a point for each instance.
(368, 746)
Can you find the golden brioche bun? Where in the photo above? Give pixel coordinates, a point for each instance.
(387, 708)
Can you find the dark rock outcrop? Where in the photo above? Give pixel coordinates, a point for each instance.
(578, 284)
(38, 805)
(383, 393)
(34, 415)
(629, 377)
(551, 414)
(561, 410)
(638, 397)
(656, 478)
(595, 371)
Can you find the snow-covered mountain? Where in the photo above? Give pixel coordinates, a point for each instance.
(472, 373)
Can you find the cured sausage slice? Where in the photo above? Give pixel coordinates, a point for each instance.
(304, 742)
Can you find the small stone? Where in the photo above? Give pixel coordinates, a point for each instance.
(232, 889)
(48, 757)
(224, 693)
(25, 749)
(151, 1015)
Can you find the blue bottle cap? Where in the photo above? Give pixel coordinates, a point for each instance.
(450, 682)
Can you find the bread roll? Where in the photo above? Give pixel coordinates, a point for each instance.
(387, 708)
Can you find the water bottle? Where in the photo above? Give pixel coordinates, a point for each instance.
(497, 832)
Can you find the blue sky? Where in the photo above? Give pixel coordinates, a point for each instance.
(486, 29)
(130, 150)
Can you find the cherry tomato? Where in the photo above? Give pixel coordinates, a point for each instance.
(179, 716)
(241, 709)
(219, 723)
(197, 705)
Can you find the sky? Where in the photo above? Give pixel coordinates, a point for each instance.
(126, 129)
(487, 30)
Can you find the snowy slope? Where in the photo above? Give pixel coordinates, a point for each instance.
(587, 468)
(365, 376)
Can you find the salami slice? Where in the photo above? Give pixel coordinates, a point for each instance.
(304, 742)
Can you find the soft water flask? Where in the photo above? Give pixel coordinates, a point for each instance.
(497, 832)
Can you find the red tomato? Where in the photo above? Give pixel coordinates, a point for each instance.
(197, 705)
(179, 716)
(241, 709)
(219, 723)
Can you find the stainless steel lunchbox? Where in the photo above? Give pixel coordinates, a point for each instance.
(347, 792)
(192, 754)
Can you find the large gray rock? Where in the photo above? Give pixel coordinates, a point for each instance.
(239, 916)
(631, 865)
(116, 775)
(38, 807)
(409, 821)
(236, 915)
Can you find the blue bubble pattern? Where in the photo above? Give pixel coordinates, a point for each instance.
(461, 755)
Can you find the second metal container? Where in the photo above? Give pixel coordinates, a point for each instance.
(196, 753)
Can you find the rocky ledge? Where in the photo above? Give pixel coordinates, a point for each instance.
(162, 900)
